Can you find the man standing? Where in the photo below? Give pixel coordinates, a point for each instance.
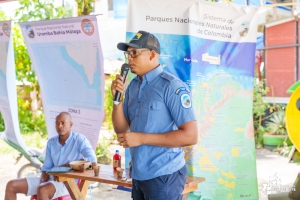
(62, 149)
(157, 110)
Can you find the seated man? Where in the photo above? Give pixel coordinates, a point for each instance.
(62, 149)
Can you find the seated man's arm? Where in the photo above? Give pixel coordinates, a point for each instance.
(87, 151)
(44, 177)
(47, 165)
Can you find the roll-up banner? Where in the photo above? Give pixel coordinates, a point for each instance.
(211, 47)
(67, 57)
(8, 91)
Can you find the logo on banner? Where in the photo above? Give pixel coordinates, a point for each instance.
(244, 28)
(87, 27)
(6, 29)
(29, 31)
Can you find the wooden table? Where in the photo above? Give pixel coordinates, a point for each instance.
(107, 175)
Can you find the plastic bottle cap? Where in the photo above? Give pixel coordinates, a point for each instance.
(117, 151)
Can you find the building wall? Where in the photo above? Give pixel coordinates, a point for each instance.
(280, 62)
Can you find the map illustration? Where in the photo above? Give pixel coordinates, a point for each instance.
(71, 75)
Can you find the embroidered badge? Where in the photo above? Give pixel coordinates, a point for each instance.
(137, 36)
(186, 101)
(180, 90)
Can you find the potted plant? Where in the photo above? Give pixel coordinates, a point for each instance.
(276, 133)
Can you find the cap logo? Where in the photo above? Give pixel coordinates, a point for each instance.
(137, 36)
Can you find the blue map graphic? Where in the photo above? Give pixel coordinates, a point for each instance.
(68, 79)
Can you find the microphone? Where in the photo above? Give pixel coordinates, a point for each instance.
(124, 73)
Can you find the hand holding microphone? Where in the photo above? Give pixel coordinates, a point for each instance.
(118, 84)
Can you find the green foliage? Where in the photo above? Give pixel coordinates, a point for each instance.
(259, 106)
(2, 16)
(296, 157)
(285, 149)
(35, 140)
(2, 127)
(22, 59)
(31, 121)
(276, 124)
(102, 151)
(108, 103)
(259, 109)
(259, 132)
(34, 10)
(85, 7)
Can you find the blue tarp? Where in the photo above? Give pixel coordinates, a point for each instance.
(260, 42)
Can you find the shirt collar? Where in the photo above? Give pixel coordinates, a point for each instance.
(69, 138)
(151, 75)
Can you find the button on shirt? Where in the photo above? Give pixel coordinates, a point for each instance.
(158, 103)
(77, 147)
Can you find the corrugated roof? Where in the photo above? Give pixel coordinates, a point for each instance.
(288, 19)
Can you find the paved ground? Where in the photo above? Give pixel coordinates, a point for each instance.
(269, 164)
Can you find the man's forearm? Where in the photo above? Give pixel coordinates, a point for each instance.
(182, 137)
(44, 177)
(119, 121)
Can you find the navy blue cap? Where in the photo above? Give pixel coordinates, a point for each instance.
(142, 39)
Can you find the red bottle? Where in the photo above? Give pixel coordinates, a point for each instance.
(116, 160)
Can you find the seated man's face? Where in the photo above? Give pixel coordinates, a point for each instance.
(63, 124)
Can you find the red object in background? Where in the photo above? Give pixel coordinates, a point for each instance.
(116, 160)
(281, 56)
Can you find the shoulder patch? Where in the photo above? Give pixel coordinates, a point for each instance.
(182, 89)
(179, 90)
(186, 100)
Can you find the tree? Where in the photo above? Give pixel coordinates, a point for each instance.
(2, 16)
(84, 7)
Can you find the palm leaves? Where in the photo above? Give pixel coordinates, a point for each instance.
(276, 124)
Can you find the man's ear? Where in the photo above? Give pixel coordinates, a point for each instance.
(152, 54)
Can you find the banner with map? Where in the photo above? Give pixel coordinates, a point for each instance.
(8, 90)
(211, 47)
(67, 57)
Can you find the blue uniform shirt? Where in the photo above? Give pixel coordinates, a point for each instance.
(77, 147)
(159, 103)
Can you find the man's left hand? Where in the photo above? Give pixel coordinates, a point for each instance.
(130, 139)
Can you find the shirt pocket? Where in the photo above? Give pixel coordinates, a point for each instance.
(131, 108)
(152, 111)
